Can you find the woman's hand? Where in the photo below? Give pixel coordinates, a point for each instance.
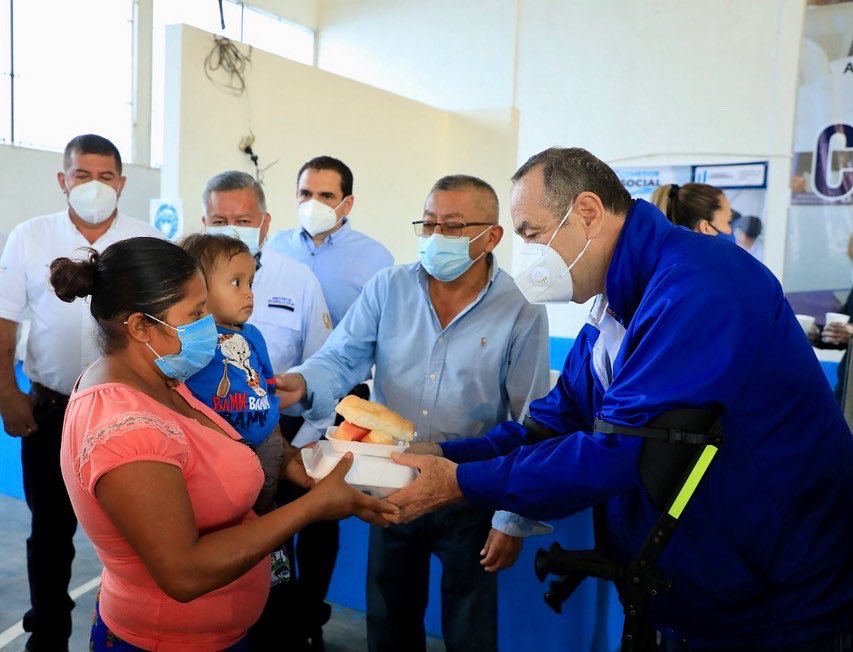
(332, 498)
(293, 468)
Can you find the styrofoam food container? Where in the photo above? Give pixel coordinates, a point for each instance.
(378, 476)
(362, 448)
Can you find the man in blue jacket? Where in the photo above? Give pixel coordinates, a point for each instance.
(761, 558)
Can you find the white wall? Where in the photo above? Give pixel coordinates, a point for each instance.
(396, 147)
(301, 12)
(670, 81)
(448, 54)
(28, 186)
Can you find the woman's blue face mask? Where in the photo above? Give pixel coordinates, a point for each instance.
(725, 236)
(198, 346)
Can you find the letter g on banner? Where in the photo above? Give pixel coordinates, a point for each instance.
(822, 171)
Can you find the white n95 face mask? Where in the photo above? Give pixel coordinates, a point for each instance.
(545, 277)
(250, 235)
(315, 217)
(93, 201)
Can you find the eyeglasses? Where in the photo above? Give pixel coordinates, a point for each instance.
(449, 229)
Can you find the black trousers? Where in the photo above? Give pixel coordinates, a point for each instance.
(50, 546)
(315, 546)
(296, 610)
(398, 582)
(280, 626)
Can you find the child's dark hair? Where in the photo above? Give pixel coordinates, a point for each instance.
(208, 249)
(146, 275)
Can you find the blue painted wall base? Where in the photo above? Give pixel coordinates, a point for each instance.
(10, 450)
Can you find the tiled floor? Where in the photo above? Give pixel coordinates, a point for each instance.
(345, 632)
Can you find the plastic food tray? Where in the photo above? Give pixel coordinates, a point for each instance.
(361, 448)
(378, 476)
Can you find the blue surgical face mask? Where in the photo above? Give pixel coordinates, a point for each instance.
(198, 346)
(447, 258)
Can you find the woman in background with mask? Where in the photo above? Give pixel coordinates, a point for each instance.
(698, 206)
(161, 484)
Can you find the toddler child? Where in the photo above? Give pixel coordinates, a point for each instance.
(238, 383)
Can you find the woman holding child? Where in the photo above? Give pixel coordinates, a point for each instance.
(162, 485)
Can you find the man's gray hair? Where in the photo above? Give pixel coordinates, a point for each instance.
(569, 171)
(233, 180)
(467, 182)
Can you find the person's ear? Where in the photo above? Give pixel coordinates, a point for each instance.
(60, 178)
(493, 237)
(264, 229)
(346, 207)
(590, 211)
(138, 326)
(122, 181)
(704, 227)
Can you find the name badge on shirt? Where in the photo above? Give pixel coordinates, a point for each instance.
(284, 303)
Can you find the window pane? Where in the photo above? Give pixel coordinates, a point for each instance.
(5, 66)
(203, 14)
(286, 39)
(251, 26)
(73, 72)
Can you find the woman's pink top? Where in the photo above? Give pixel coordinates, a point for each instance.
(113, 424)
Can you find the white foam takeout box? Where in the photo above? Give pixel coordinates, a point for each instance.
(373, 471)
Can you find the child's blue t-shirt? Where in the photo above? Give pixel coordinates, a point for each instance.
(239, 385)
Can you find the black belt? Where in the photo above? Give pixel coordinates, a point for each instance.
(49, 394)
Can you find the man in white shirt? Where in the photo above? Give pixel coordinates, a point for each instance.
(61, 344)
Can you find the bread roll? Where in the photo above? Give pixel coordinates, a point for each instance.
(379, 437)
(376, 417)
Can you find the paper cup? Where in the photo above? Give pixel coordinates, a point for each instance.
(836, 317)
(806, 322)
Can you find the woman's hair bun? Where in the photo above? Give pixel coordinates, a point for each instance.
(72, 279)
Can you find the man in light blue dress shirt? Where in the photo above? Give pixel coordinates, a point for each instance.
(342, 258)
(456, 349)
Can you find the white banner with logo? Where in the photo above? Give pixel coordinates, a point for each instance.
(167, 216)
(820, 220)
(745, 185)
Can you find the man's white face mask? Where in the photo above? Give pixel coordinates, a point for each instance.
(316, 217)
(545, 277)
(93, 201)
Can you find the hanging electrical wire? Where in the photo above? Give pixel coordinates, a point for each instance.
(226, 60)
